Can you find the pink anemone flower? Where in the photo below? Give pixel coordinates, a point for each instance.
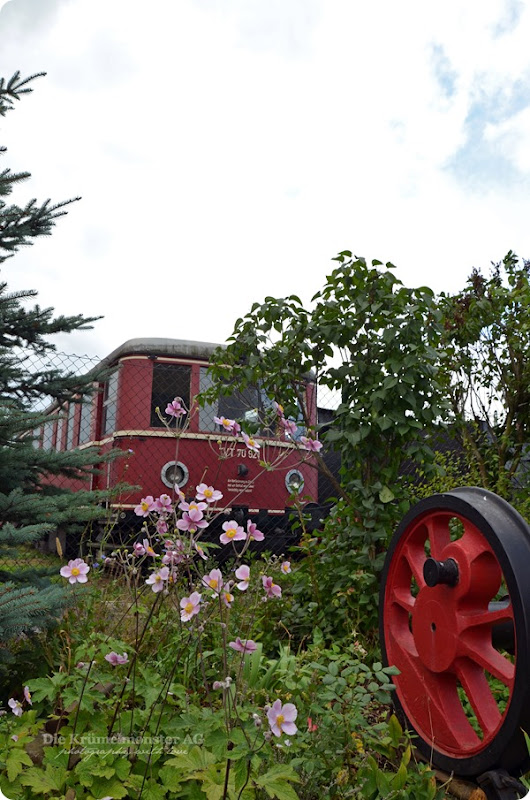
(148, 549)
(214, 580)
(288, 426)
(310, 444)
(281, 718)
(271, 589)
(251, 443)
(253, 532)
(15, 706)
(163, 504)
(115, 659)
(208, 493)
(243, 575)
(157, 580)
(190, 606)
(226, 424)
(286, 567)
(175, 408)
(200, 551)
(226, 595)
(76, 571)
(146, 505)
(232, 532)
(173, 557)
(193, 506)
(192, 521)
(243, 645)
(161, 526)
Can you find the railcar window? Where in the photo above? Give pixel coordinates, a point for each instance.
(110, 403)
(169, 381)
(85, 422)
(70, 430)
(249, 406)
(209, 411)
(47, 437)
(60, 428)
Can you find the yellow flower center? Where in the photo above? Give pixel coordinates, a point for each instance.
(208, 493)
(158, 578)
(231, 532)
(229, 597)
(76, 571)
(188, 608)
(145, 506)
(280, 720)
(212, 583)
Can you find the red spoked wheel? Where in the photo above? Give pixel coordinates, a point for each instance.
(454, 619)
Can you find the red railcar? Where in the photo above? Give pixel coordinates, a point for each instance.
(146, 375)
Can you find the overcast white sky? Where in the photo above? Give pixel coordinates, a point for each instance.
(226, 150)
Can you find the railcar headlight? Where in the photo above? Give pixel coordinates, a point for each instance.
(174, 474)
(294, 481)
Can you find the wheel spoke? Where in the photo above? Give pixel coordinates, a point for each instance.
(479, 694)
(439, 536)
(477, 619)
(434, 705)
(404, 599)
(415, 556)
(480, 650)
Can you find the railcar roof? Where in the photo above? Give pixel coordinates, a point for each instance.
(180, 348)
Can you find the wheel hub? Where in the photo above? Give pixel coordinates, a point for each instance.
(433, 628)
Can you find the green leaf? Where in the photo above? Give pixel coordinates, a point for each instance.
(274, 781)
(395, 730)
(152, 791)
(281, 790)
(43, 782)
(195, 758)
(241, 774)
(213, 781)
(386, 495)
(108, 788)
(400, 778)
(42, 689)
(15, 762)
(171, 779)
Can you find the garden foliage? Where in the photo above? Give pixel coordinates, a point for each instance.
(169, 696)
(376, 344)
